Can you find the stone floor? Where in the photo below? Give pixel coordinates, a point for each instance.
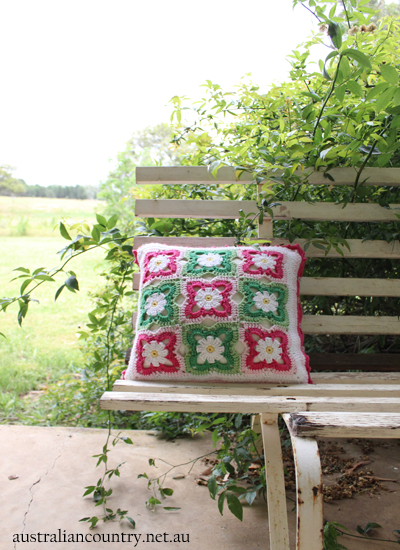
(49, 468)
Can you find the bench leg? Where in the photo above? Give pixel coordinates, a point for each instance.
(276, 496)
(256, 427)
(310, 517)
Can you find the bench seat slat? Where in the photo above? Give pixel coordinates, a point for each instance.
(336, 286)
(173, 175)
(358, 248)
(311, 424)
(286, 210)
(319, 390)
(243, 404)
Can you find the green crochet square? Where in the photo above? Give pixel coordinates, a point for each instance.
(216, 261)
(157, 304)
(209, 352)
(262, 296)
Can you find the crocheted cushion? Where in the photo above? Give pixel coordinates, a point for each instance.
(219, 314)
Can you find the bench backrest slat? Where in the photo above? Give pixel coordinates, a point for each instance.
(225, 209)
(336, 286)
(172, 175)
(358, 248)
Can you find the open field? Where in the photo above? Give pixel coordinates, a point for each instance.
(37, 217)
(46, 346)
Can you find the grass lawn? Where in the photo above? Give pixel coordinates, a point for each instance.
(46, 346)
(37, 217)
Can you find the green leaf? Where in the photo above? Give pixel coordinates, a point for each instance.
(112, 222)
(44, 278)
(3, 335)
(396, 97)
(376, 90)
(96, 233)
(251, 496)
(26, 283)
(64, 232)
(89, 490)
(101, 220)
(325, 73)
(168, 492)
(171, 508)
(358, 56)
(335, 34)
(340, 93)
(384, 99)
(212, 487)
(59, 292)
(221, 501)
(72, 283)
(127, 440)
(235, 506)
(355, 88)
(390, 74)
(215, 435)
(238, 421)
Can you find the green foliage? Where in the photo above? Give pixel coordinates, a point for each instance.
(10, 185)
(61, 191)
(343, 113)
(332, 531)
(149, 147)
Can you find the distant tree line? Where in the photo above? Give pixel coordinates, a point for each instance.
(14, 187)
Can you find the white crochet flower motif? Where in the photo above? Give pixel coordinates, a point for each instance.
(211, 259)
(264, 261)
(268, 350)
(158, 263)
(155, 353)
(155, 304)
(211, 297)
(266, 301)
(210, 349)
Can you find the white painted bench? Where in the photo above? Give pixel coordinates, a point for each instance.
(339, 403)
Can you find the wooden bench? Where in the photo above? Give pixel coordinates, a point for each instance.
(339, 403)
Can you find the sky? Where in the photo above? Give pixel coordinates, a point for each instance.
(80, 76)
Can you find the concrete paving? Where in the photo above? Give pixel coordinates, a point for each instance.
(49, 468)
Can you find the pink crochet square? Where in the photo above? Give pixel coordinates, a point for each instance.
(209, 299)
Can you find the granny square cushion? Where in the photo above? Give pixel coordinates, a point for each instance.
(229, 314)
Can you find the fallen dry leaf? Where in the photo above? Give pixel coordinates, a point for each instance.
(13, 476)
(207, 472)
(201, 481)
(178, 476)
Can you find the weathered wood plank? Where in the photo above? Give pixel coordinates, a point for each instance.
(356, 377)
(358, 248)
(225, 209)
(340, 324)
(318, 390)
(309, 492)
(335, 286)
(276, 495)
(371, 425)
(243, 404)
(167, 175)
